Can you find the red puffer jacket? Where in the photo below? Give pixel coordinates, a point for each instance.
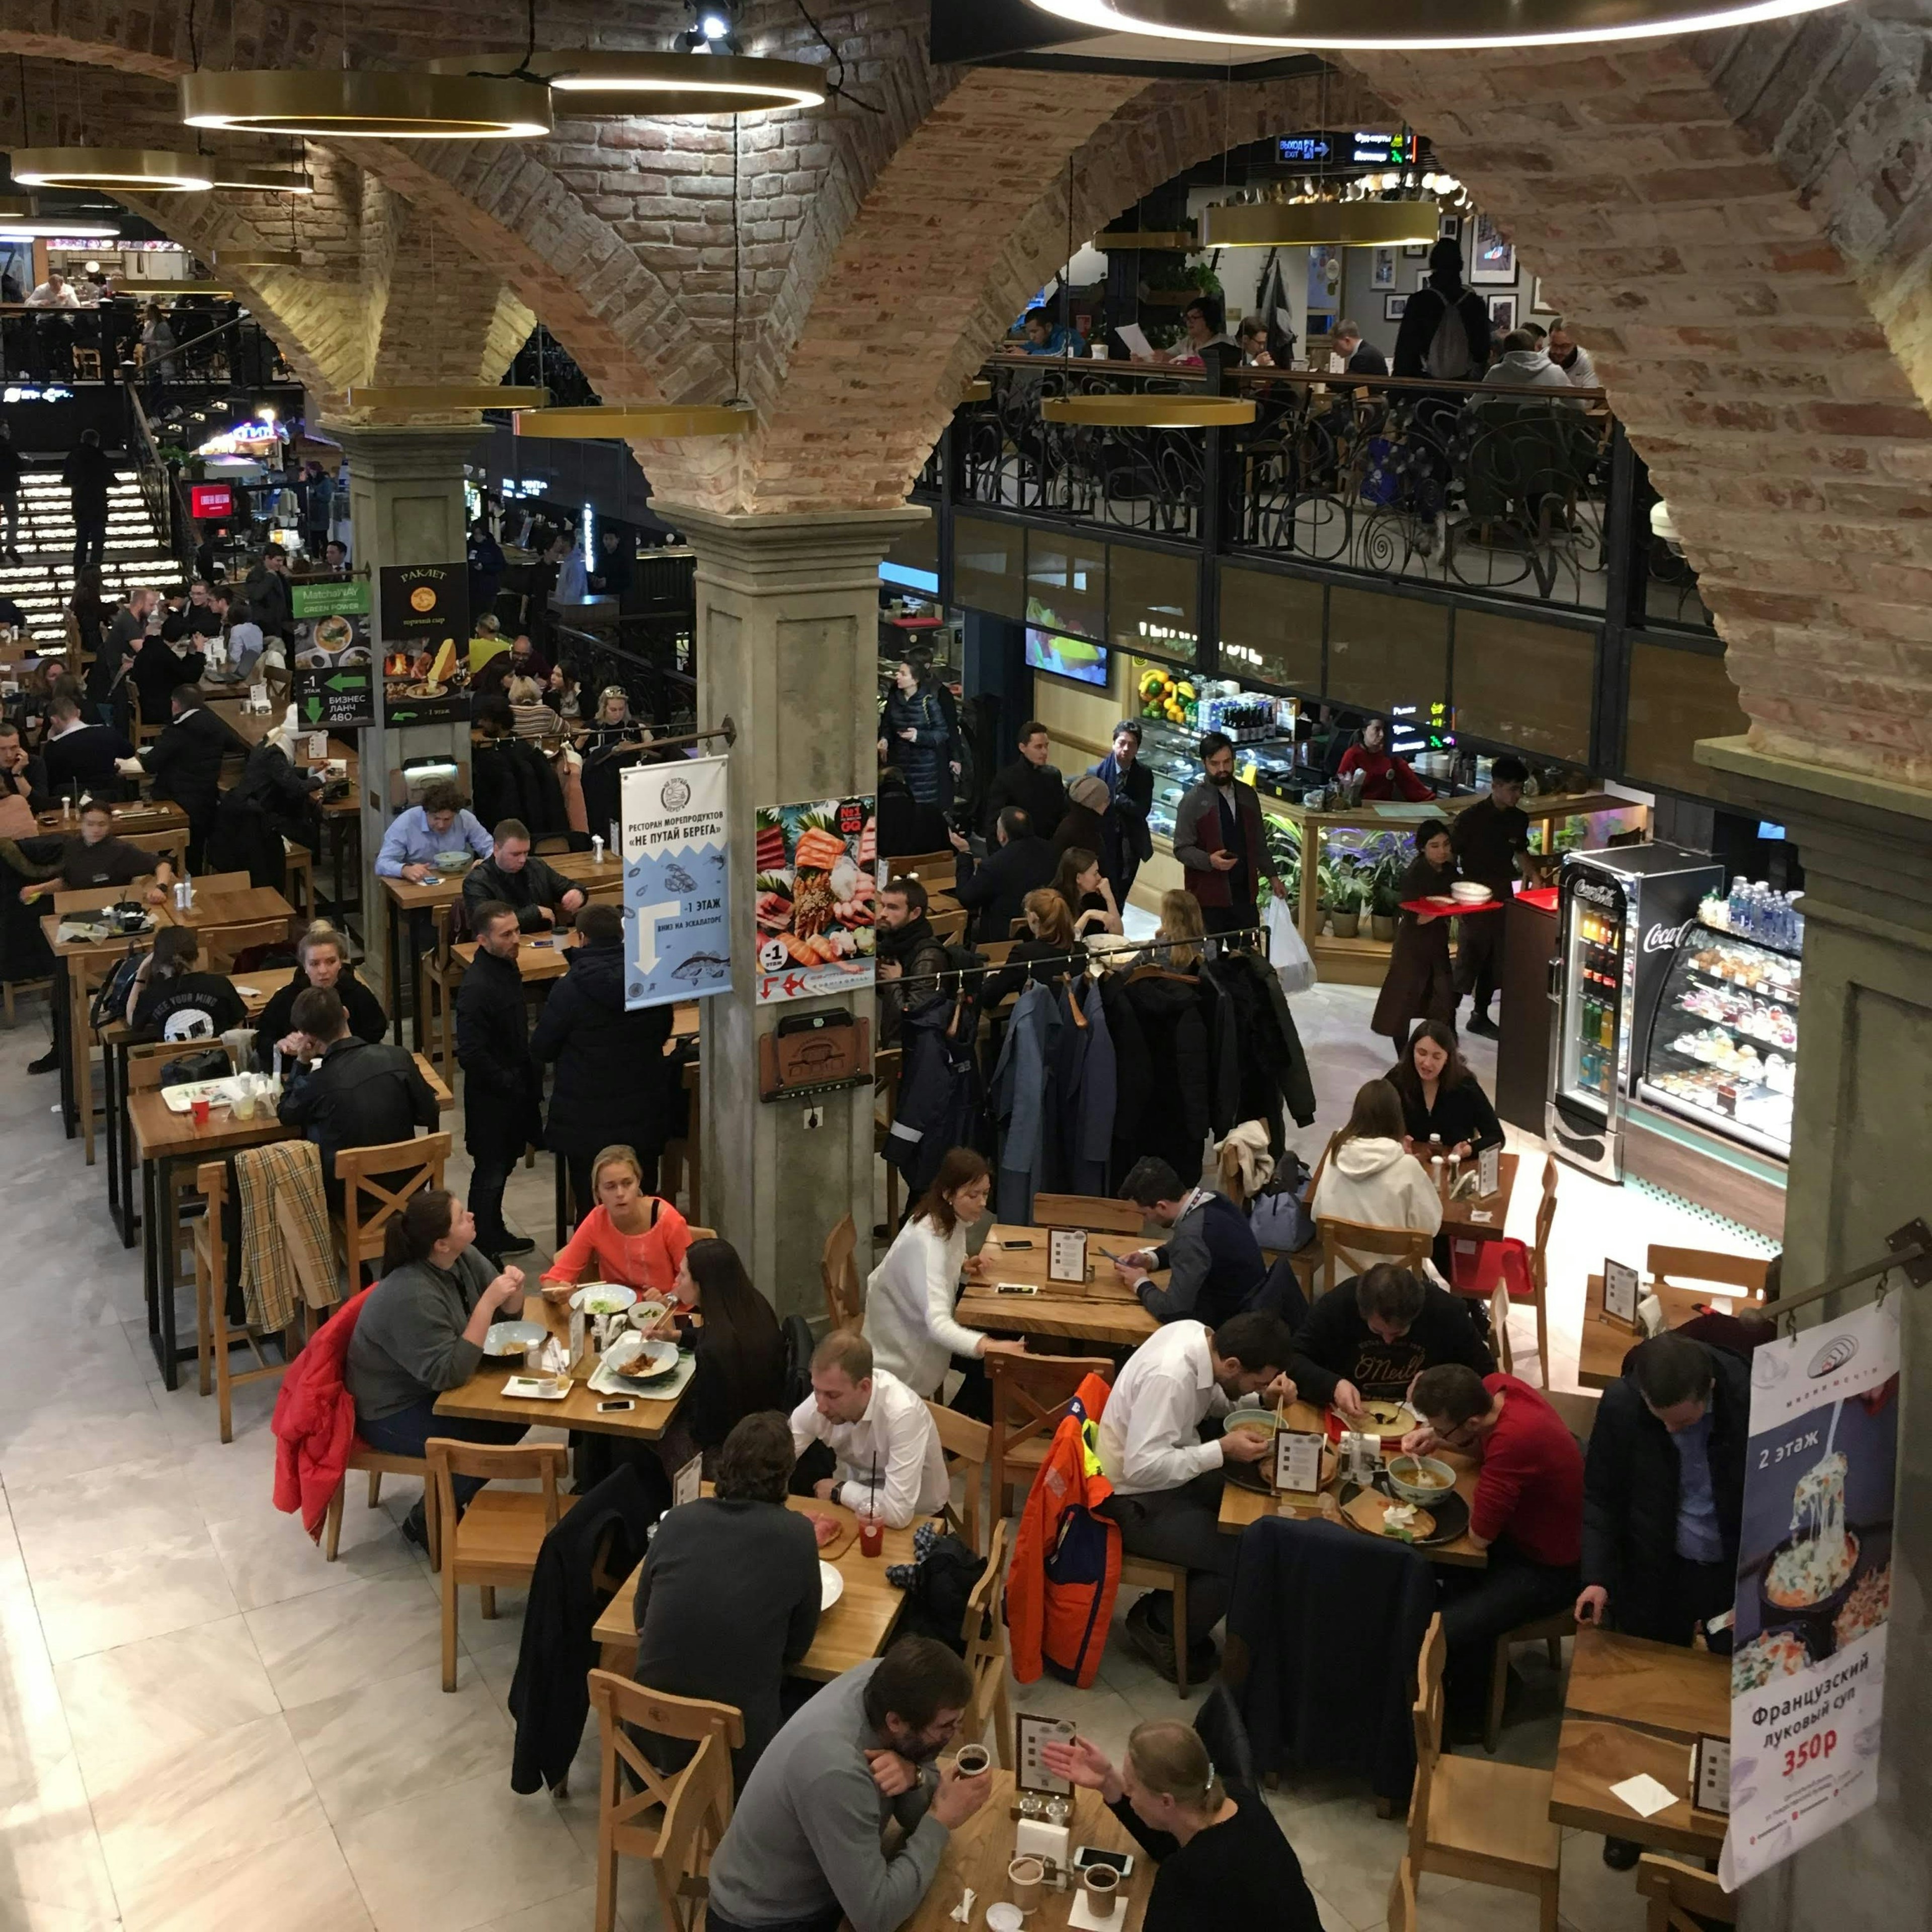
(315, 1420)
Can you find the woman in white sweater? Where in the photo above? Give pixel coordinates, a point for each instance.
(1371, 1178)
(910, 1296)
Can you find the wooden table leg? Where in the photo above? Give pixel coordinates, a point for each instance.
(82, 1061)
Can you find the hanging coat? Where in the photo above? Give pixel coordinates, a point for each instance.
(1177, 1098)
(1090, 1112)
(940, 1104)
(1023, 1104)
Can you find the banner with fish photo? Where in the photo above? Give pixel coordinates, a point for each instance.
(677, 878)
(816, 897)
(1814, 1586)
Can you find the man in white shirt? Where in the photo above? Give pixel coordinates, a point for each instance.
(53, 293)
(1167, 1480)
(888, 1460)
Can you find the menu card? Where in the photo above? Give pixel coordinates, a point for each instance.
(1297, 1461)
(1620, 1283)
(1067, 1255)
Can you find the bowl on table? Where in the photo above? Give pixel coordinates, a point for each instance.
(512, 1338)
(1421, 1479)
(644, 1313)
(638, 1363)
(1469, 892)
(453, 861)
(603, 1297)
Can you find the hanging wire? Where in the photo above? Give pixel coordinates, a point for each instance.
(834, 83)
(1066, 273)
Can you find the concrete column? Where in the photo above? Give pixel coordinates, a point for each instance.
(406, 505)
(787, 645)
(1860, 1165)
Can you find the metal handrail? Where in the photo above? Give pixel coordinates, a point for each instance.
(161, 486)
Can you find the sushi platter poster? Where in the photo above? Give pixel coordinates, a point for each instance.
(1814, 1586)
(677, 875)
(815, 898)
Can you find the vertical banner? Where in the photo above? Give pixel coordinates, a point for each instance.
(677, 878)
(816, 895)
(425, 610)
(1814, 1586)
(333, 681)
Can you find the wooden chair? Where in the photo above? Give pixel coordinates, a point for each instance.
(691, 1807)
(965, 1445)
(14, 989)
(498, 1537)
(1549, 1631)
(844, 1297)
(949, 928)
(1031, 1394)
(1578, 1408)
(172, 846)
(221, 946)
(377, 1463)
(213, 1336)
(1148, 1572)
(298, 878)
(984, 1632)
(438, 973)
(1093, 1212)
(937, 872)
(1402, 1900)
(1480, 1267)
(142, 733)
(1680, 1898)
(1342, 1239)
(1472, 1820)
(376, 1184)
(1682, 1267)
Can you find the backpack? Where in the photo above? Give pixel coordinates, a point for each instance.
(1278, 1215)
(1447, 357)
(210, 1063)
(110, 1003)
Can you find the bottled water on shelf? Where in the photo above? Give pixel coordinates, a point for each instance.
(1753, 909)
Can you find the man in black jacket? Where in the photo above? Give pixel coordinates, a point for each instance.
(501, 1113)
(905, 944)
(185, 764)
(537, 893)
(1376, 1338)
(88, 474)
(995, 890)
(159, 668)
(1664, 1491)
(347, 1092)
(1130, 791)
(1029, 782)
(81, 756)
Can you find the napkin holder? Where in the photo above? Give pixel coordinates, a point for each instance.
(1052, 1844)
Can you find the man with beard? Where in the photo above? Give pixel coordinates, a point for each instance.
(905, 944)
(806, 1844)
(1220, 841)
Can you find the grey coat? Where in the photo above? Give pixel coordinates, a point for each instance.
(408, 1346)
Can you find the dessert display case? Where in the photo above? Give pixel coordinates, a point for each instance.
(1723, 1045)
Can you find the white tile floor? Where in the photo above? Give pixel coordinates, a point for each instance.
(203, 1726)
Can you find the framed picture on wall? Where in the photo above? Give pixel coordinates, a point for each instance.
(1415, 251)
(1393, 307)
(1492, 258)
(1538, 304)
(1451, 230)
(1383, 276)
(1502, 314)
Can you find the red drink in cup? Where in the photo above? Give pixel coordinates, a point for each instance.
(200, 1110)
(871, 1536)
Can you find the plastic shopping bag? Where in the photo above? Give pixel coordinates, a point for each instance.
(1288, 951)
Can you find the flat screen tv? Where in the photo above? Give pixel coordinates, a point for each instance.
(1066, 657)
(210, 501)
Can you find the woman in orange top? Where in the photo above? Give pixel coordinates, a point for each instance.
(630, 1236)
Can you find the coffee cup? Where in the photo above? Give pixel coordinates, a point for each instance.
(1026, 1879)
(1103, 1886)
(971, 1759)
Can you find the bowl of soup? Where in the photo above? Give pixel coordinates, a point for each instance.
(1420, 1479)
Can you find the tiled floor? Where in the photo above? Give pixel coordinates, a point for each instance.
(204, 1726)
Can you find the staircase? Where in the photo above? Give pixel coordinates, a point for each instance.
(42, 583)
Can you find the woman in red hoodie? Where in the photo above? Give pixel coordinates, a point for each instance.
(1384, 776)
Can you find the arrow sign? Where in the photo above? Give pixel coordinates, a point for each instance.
(647, 917)
(314, 707)
(347, 681)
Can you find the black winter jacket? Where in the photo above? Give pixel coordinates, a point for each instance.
(358, 1095)
(994, 889)
(1173, 1107)
(613, 1084)
(1630, 1497)
(185, 762)
(365, 1014)
(501, 1112)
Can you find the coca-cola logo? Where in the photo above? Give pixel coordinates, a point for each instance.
(1597, 894)
(1665, 938)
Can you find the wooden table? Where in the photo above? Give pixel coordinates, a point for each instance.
(541, 958)
(163, 1140)
(1633, 1706)
(249, 905)
(1605, 1343)
(854, 1629)
(1240, 1507)
(1458, 1216)
(139, 816)
(250, 727)
(75, 959)
(341, 817)
(1109, 1313)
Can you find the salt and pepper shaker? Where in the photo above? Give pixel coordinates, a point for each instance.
(596, 850)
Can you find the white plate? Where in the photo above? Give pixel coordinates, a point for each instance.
(622, 1354)
(1469, 893)
(619, 1297)
(512, 1338)
(831, 1585)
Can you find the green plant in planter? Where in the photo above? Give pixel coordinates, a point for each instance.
(1385, 889)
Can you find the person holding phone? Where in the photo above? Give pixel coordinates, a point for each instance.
(1223, 1860)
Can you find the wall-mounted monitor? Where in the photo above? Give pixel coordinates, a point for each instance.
(210, 502)
(1066, 657)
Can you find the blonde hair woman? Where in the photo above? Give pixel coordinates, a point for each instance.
(1180, 921)
(631, 1237)
(322, 959)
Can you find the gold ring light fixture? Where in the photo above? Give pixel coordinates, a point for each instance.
(365, 103)
(601, 81)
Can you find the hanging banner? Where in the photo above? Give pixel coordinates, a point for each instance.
(333, 680)
(816, 897)
(425, 609)
(677, 882)
(1814, 1586)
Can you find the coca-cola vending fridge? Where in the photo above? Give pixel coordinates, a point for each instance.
(1621, 912)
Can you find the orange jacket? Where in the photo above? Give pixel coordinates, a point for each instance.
(314, 1422)
(1066, 1558)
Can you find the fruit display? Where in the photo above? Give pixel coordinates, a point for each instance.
(1167, 695)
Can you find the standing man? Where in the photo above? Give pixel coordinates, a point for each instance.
(1130, 792)
(1220, 841)
(887, 1462)
(88, 474)
(537, 893)
(1664, 1491)
(185, 764)
(1167, 1480)
(1030, 783)
(502, 1110)
(10, 491)
(1491, 842)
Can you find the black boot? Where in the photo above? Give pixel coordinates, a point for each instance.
(48, 1063)
(1482, 1025)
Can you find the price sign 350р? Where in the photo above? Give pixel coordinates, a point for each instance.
(1821, 1745)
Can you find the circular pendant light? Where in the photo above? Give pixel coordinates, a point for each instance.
(140, 170)
(56, 228)
(595, 81)
(1121, 409)
(665, 420)
(430, 397)
(357, 103)
(229, 174)
(1416, 26)
(1298, 224)
(256, 258)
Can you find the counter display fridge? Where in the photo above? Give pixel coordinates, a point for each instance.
(1621, 914)
(1723, 1046)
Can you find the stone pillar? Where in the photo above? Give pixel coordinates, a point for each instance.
(787, 646)
(1860, 1165)
(406, 505)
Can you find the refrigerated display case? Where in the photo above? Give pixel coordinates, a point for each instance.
(1723, 1046)
(1620, 913)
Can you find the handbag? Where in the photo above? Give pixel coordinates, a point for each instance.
(211, 1063)
(1288, 951)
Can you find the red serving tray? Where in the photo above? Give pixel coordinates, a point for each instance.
(1453, 912)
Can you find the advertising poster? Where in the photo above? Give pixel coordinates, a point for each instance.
(333, 681)
(1814, 1586)
(677, 876)
(425, 642)
(815, 898)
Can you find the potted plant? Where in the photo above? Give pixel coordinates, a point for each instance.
(1351, 890)
(1385, 899)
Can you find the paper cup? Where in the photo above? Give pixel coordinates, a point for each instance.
(1103, 1886)
(971, 1759)
(1026, 1879)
